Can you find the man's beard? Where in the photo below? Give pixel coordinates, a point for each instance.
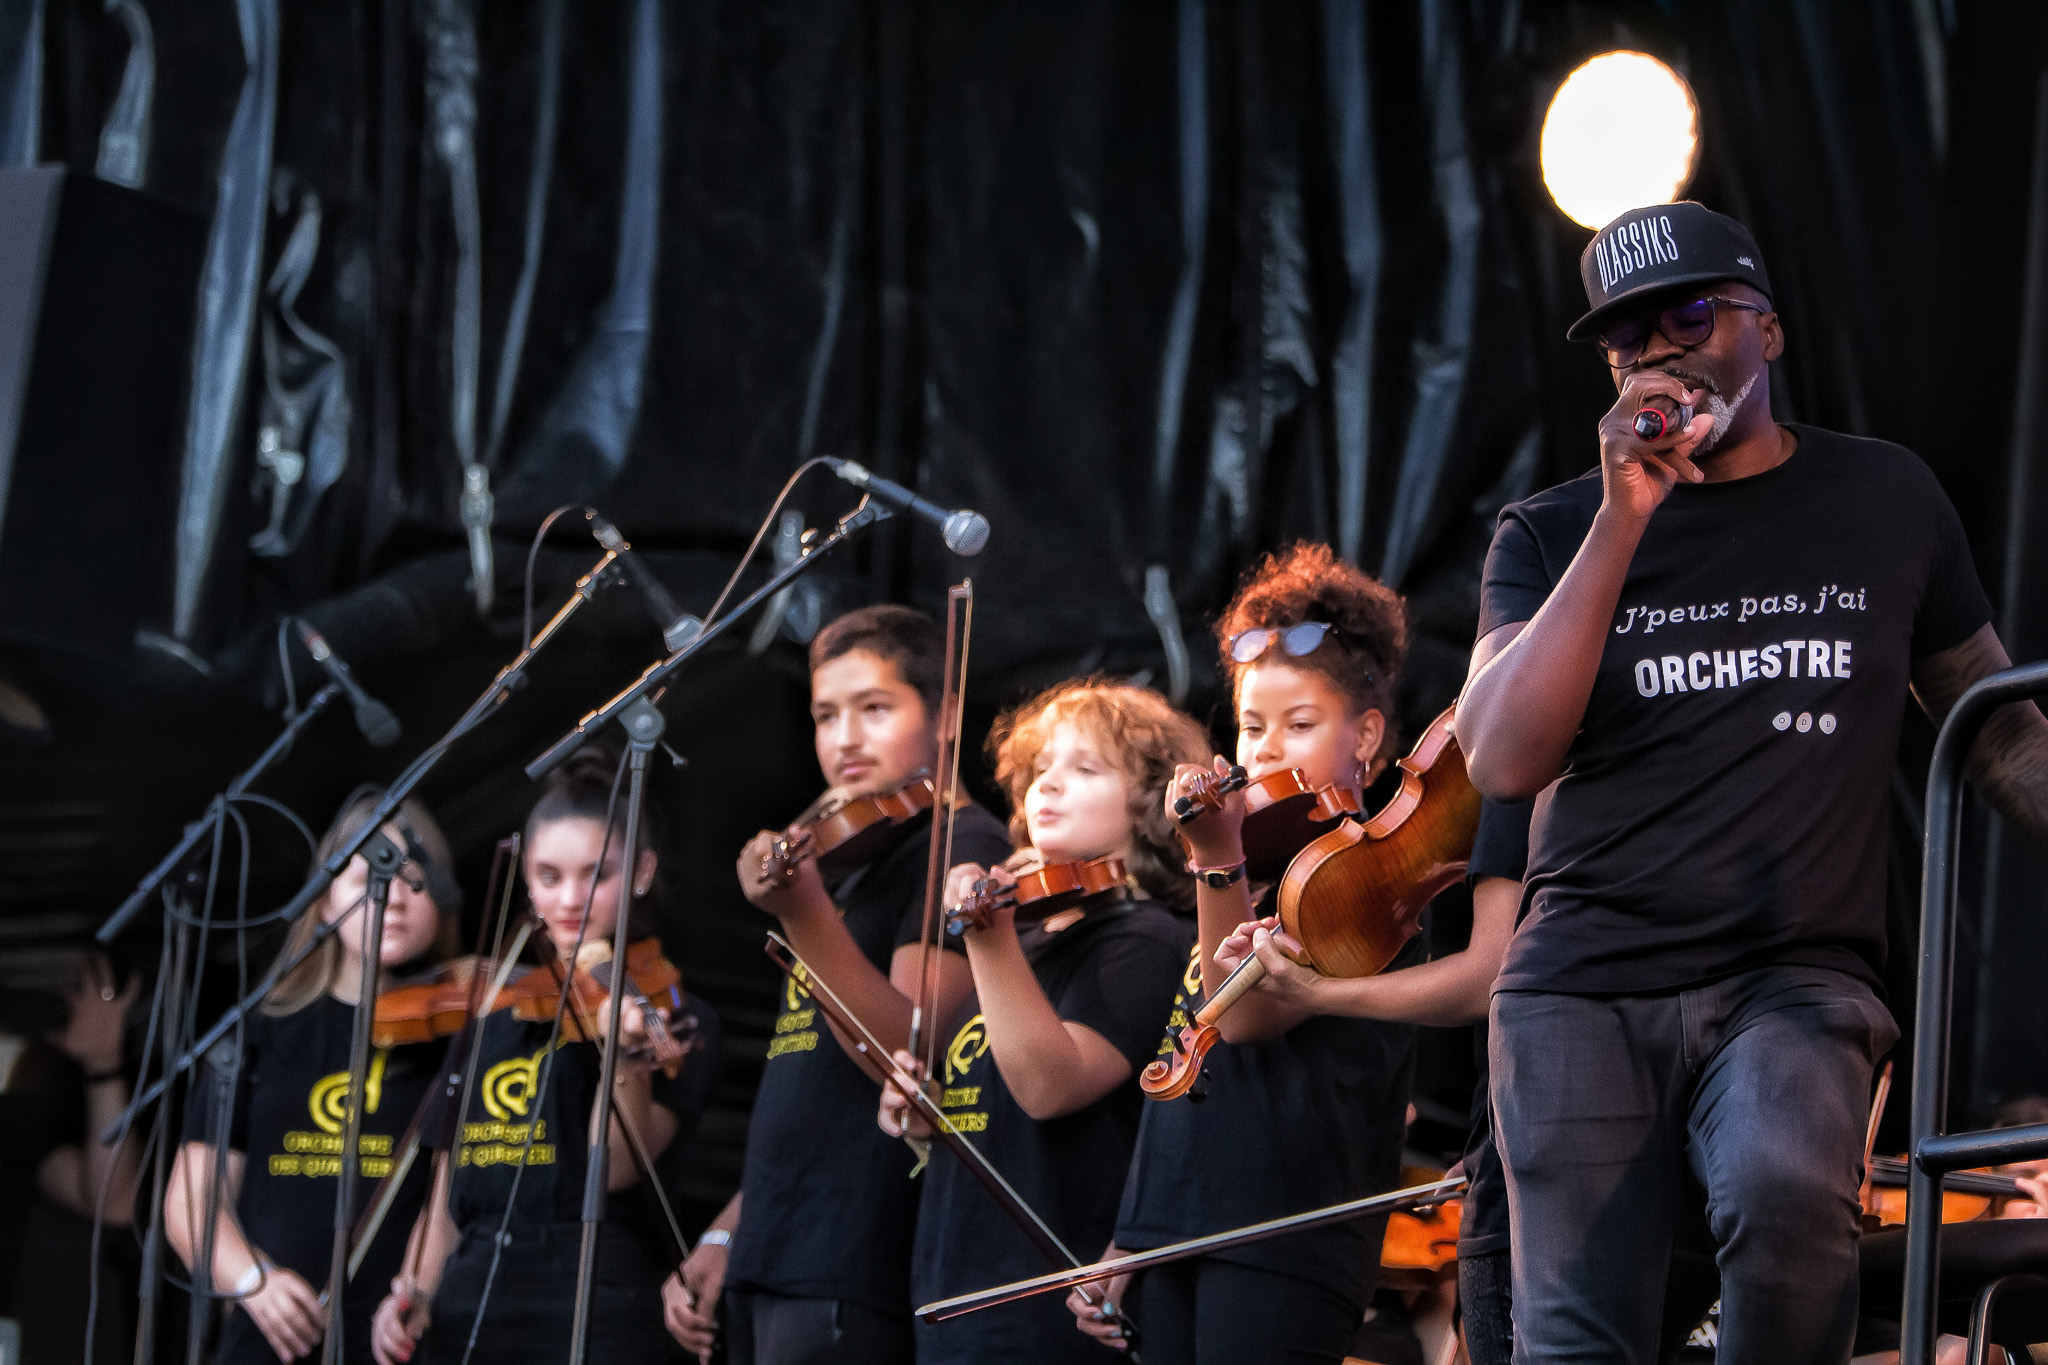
(1722, 410)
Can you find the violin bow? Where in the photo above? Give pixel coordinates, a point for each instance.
(1884, 1094)
(924, 1030)
(1394, 1201)
(883, 1067)
(505, 856)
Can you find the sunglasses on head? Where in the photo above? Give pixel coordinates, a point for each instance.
(1295, 640)
(1685, 324)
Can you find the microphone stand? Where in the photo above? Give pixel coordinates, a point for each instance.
(510, 679)
(865, 515)
(385, 858)
(643, 724)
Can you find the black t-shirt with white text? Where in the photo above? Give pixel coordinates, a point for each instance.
(827, 1204)
(1723, 804)
(1114, 971)
(1500, 849)
(290, 1099)
(1311, 1118)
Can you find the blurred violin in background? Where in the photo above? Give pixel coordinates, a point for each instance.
(1046, 891)
(846, 833)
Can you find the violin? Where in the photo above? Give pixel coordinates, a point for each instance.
(1283, 814)
(1420, 1243)
(1046, 890)
(652, 983)
(440, 1007)
(1355, 895)
(421, 1011)
(1965, 1195)
(846, 833)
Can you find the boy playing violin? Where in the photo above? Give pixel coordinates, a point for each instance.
(1040, 1067)
(818, 1238)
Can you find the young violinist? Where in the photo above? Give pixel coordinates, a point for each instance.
(491, 1272)
(1303, 1108)
(1040, 1067)
(818, 1237)
(281, 1108)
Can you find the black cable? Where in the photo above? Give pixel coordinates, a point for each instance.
(533, 553)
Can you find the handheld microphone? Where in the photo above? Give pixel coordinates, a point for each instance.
(373, 717)
(966, 531)
(678, 627)
(1653, 423)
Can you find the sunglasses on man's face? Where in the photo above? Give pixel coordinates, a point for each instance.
(1685, 324)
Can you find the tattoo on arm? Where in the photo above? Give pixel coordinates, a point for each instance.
(2009, 761)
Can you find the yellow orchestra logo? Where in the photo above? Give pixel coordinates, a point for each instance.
(1191, 980)
(327, 1101)
(967, 1046)
(794, 991)
(508, 1087)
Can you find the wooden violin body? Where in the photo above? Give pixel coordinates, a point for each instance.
(1420, 1244)
(1355, 895)
(1283, 813)
(422, 1011)
(652, 982)
(1965, 1195)
(1045, 890)
(848, 833)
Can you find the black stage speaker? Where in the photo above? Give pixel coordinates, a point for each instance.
(97, 287)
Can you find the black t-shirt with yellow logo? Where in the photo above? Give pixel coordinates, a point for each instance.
(1114, 972)
(1311, 1118)
(521, 1093)
(289, 1101)
(827, 1203)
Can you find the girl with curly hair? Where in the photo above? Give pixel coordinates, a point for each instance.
(1304, 1108)
(1040, 1066)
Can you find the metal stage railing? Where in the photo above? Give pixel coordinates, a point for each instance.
(1936, 1153)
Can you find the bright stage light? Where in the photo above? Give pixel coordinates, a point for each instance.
(1622, 131)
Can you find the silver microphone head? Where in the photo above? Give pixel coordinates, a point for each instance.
(966, 532)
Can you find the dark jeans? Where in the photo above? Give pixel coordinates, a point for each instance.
(1210, 1312)
(765, 1328)
(1607, 1108)
(1486, 1298)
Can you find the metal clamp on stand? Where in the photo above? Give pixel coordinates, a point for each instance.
(1935, 1154)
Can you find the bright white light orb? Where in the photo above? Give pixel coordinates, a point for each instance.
(1622, 132)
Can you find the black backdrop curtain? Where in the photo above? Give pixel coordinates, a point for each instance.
(1156, 287)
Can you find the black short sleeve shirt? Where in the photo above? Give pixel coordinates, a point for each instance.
(827, 1205)
(1723, 805)
(1311, 1118)
(1114, 972)
(289, 1098)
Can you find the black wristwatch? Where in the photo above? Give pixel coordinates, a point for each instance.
(1219, 877)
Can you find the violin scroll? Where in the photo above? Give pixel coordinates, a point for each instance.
(1205, 793)
(1178, 1073)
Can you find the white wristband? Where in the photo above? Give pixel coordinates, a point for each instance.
(715, 1237)
(251, 1278)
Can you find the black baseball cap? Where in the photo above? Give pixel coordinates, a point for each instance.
(1660, 247)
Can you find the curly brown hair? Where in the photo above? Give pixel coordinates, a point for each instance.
(1368, 639)
(1143, 734)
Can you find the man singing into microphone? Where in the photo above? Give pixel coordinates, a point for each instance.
(1698, 655)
